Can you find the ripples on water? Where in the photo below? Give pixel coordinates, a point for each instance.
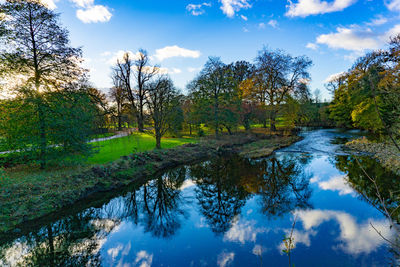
(226, 212)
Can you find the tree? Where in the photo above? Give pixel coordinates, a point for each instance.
(143, 74)
(136, 68)
(36, 58)
(215, 94)
(277, 75)
(118, 95)
(122, 75)
(162, 96)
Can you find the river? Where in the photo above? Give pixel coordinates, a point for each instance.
(227, 211)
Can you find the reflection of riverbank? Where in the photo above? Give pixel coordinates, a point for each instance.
(386, 153)
(55, 193)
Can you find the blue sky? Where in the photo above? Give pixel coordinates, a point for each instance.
(181, 35)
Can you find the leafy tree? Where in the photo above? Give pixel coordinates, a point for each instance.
(36, 58)
(216, 94)
(278, 75)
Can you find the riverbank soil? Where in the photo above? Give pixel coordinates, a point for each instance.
(386, 153)
(22, 200)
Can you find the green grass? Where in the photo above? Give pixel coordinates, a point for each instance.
(111, 150)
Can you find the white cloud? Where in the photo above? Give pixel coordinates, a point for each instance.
(83, 3)
(244, 17)
(356, 238)
(197, 10)
(175, 51)
(93, 14)
(230, 7)
(391, 32)
(304, 8)
(261, 25)
(119, 55)
(273, 23)
(393, 5)
(224, 259)
(336, 183)
(114, 252)
(380, 20)
(50, 4)
(243, 231)
(334, 76)
(144, 258)
(352, 39)
(312, 46)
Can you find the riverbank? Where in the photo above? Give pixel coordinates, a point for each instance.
(386, 153)
(24, 201)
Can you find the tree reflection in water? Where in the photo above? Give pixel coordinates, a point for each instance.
(382, 192)
(224, 184)
(162, 203)
(72, 241)
(222, 187)
(387, 183)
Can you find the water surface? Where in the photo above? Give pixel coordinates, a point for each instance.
(227, 211)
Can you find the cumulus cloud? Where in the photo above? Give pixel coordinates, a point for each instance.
(393, 5)
(197, 10)
(230, 7)
(225, 258)
(93, 14)
(304, 8)
(175, 51)
(336, 183)
(334, 77)
(143, 259)
(118, 56)
(356, 238)
(356, 38)
(243, 231)
(352, 39)
(50, 4)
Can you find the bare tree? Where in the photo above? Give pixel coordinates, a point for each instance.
(143, 74)
(162, 96)
(122, 75)
(118, 96)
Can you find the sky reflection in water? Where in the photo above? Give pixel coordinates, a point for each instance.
(226, 212)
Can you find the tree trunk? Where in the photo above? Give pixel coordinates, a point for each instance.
(119, 123)
(140, 122)
(190, 129)
(264, 123)
(158, 141)
(273, 121)
(42, 135)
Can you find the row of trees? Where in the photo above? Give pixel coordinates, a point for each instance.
(368, 95)
(222, 96)
(145, 89)
(275, 86)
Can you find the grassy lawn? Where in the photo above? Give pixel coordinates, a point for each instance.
(111, 150)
